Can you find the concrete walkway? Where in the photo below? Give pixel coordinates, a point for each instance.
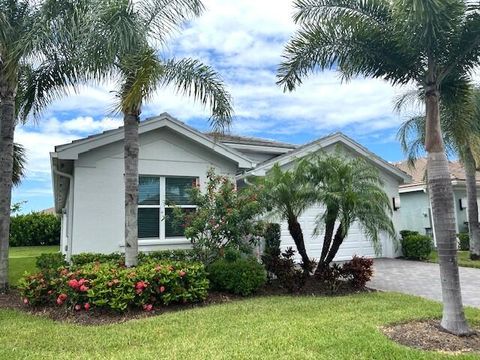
(422, 279)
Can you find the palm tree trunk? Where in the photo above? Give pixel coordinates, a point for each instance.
(131, 149)
(297, 234)
(327, 241)
(473, 225)
(337, 241)
(7, 127)
(441, 193)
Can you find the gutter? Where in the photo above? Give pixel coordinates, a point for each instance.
(70, 213)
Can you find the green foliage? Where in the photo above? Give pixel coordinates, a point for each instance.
(34, 229)
(224, 218)
(417, 247)
(272, 237)
(89, 258)
(464, 241)
(283, 269)
(114, 287)
(405, 233)
(51, 261)
(236, 274)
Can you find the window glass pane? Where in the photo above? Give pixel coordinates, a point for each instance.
(149, 190)
(148, 222)
(178, 190)
(174, 227)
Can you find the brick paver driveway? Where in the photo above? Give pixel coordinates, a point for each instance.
(422, 279)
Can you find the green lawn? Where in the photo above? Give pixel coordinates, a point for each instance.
(463, 259)
(258, 328)
(22, 259)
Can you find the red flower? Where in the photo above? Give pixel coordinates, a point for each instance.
(148, 307)
(74, 284)
(87, 306)
(78, 307)
(181, 273)
(161, 289)
(138, 291)
(83, 288)
(63, 297)
(25, 301)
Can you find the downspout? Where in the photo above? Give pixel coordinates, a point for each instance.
(70, 213)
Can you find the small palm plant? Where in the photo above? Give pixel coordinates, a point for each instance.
(350, 191)
(287, 194)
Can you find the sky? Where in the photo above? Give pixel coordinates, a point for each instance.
(243, 40)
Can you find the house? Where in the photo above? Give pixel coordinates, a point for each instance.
(88, 184)
(416, 207)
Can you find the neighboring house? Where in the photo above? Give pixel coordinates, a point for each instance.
(416, 210)
(89, 191)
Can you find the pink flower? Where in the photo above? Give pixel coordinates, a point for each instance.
(87, 306)
(63, 297)
(78, 307)
(161, 289)
(25, 301)
(138, 291)
(50, 292)
(181, 273)
(81, 282)
(83, 288)
(74, 284)
(140, 285)
(148, 307)
(158, 268)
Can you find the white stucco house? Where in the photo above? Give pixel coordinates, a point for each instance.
(88, 184)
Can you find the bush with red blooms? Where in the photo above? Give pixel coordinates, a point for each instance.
(117, 288)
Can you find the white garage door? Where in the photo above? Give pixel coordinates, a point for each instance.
(354, 244)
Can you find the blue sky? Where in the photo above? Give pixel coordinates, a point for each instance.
(243, 40)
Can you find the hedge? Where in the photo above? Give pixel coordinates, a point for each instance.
(34, 229)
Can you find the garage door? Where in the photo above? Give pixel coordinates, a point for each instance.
(354, 244)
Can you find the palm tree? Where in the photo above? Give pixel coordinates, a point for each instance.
(287, 195)
(37, 65)
(351, 191)
(19, 160)
(402, 41)
(128, 54)
(460, 120)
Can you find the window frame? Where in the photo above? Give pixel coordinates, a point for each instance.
(162, 206)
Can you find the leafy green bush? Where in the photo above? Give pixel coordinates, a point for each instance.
(224, 218)
(405, 233)
(464, 241)
(34, 229)
(88, 258)
(237, 275)
(53, 261)
(117, 288)
(417, 247)
(273, 240)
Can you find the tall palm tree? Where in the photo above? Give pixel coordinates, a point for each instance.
(351, 191)
(460, 120)
(37, 64)
(19, 160)
(287, 195)
(129, 53)
(401, 41)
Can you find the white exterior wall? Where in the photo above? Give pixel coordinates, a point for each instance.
(99, 187)
(356, 243)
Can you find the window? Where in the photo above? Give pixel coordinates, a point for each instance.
(157, 197)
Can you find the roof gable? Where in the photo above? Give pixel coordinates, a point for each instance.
(336, 138)
(73, 149)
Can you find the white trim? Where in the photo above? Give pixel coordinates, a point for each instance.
(72, 150)
(407, 189)
(260, 148)
(320, 144)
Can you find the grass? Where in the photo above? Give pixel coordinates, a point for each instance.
(257, 328)
(463, 259)
(23, 258)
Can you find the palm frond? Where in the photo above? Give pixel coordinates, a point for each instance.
(199, 81)
(19, 162)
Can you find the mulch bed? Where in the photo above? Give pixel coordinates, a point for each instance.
(428, 335)
(12, 300)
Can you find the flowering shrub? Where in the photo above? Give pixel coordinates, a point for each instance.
(109, 286)
(224, 217)
(357, 272)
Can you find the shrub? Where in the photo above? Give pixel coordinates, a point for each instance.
(89, 258)
(405, 233)
(417, 247)
(34, 229)
(358, 271)
(54, 261)
(239, 275)
(171, 255)
(284, 269)
(331, 277)
(224, 217)
(117, 288)
(464, 241)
